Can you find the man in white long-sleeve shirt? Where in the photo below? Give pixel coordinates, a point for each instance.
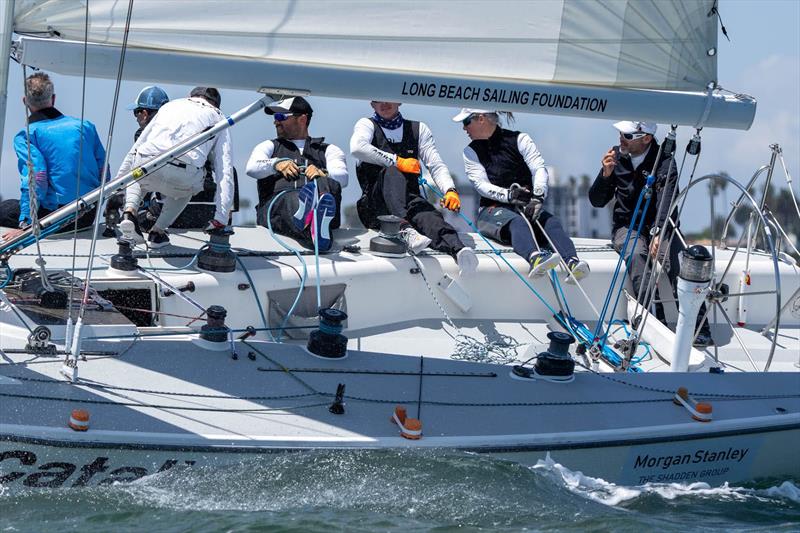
(389, 149)
(180, 179)
(291, 169)
(507, 170)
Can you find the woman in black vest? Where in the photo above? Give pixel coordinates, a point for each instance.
(507, 170)
(389, 149)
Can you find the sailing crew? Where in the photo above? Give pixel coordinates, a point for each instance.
(61, 148)
(623, 173)
(298, 174)
(509, 173)
(181, 178)
(389, 150)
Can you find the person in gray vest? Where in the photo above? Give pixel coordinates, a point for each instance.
(507, 170)
(290, 170)
(389, 149)
(623, 173)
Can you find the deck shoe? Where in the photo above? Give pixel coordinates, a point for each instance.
(303, 216)
(467, 261)
(415, 241)
(541, 262)
(157, 239)
(326, 210)
(130, 230)
(578, 268)
(703, 340)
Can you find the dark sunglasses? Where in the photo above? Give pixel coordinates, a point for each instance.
(632, 136)
(280, 117)
(468, 120)
(137, 111)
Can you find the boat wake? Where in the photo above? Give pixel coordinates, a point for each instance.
(393, 491)
(611, 494)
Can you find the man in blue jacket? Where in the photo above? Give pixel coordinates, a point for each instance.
(64, 157)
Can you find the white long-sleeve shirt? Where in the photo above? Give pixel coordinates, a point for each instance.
(261, 163)
(362, 149)
(480, 180)
(177, 121)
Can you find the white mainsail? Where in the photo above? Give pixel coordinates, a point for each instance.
(605, 59)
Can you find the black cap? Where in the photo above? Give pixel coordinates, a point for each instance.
(209, 93)
(295, 104)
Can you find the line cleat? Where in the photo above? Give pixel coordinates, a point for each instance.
(578, 268)
(700, 411)
(467, 261)
(410, 428)
(541, 262)
(303, 216)
(157, 239)
(415, 241)
(326, 210)
(130, 230)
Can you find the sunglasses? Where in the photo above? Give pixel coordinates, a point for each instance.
(280, 117)
(632, 136)
(468, 120)
(137, 111)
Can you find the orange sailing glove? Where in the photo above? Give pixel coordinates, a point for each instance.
(408, 165)
(451, 200)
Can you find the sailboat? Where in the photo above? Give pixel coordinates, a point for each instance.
(243, 347)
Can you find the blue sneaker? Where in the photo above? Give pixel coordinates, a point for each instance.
(302, 217)
(326, 210)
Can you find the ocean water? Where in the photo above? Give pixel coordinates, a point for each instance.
(389, 491)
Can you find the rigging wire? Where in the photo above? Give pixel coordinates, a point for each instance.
(68, 332)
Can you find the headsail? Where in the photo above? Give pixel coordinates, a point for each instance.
(605, 59)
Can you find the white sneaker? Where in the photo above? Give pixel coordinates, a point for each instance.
(415, 241)
(129, 229)
(542, 262)
(579, 269)
(467, 261)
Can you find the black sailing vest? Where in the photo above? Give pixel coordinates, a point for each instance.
(408, 146)
(313, 154)
(504, 165)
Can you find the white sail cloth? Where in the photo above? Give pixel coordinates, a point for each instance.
(653, 44)
(608, 59)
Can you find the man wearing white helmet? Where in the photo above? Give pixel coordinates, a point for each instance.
(624, 171)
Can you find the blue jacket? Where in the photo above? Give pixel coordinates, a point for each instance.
(54, 147)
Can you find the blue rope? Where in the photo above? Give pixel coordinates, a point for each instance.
(9, 276)
(298, 255)
(255, 293)
(636, 213)
(497, 252)
(627, 262)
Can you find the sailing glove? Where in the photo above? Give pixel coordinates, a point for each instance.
(288, 169)
(313, 172)
(409, 165)
(451, 200)
(534, 208)
(519, 196)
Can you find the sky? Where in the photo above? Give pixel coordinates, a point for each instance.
(762, 59)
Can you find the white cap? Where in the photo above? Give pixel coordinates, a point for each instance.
(466, 111)
(636, 126)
